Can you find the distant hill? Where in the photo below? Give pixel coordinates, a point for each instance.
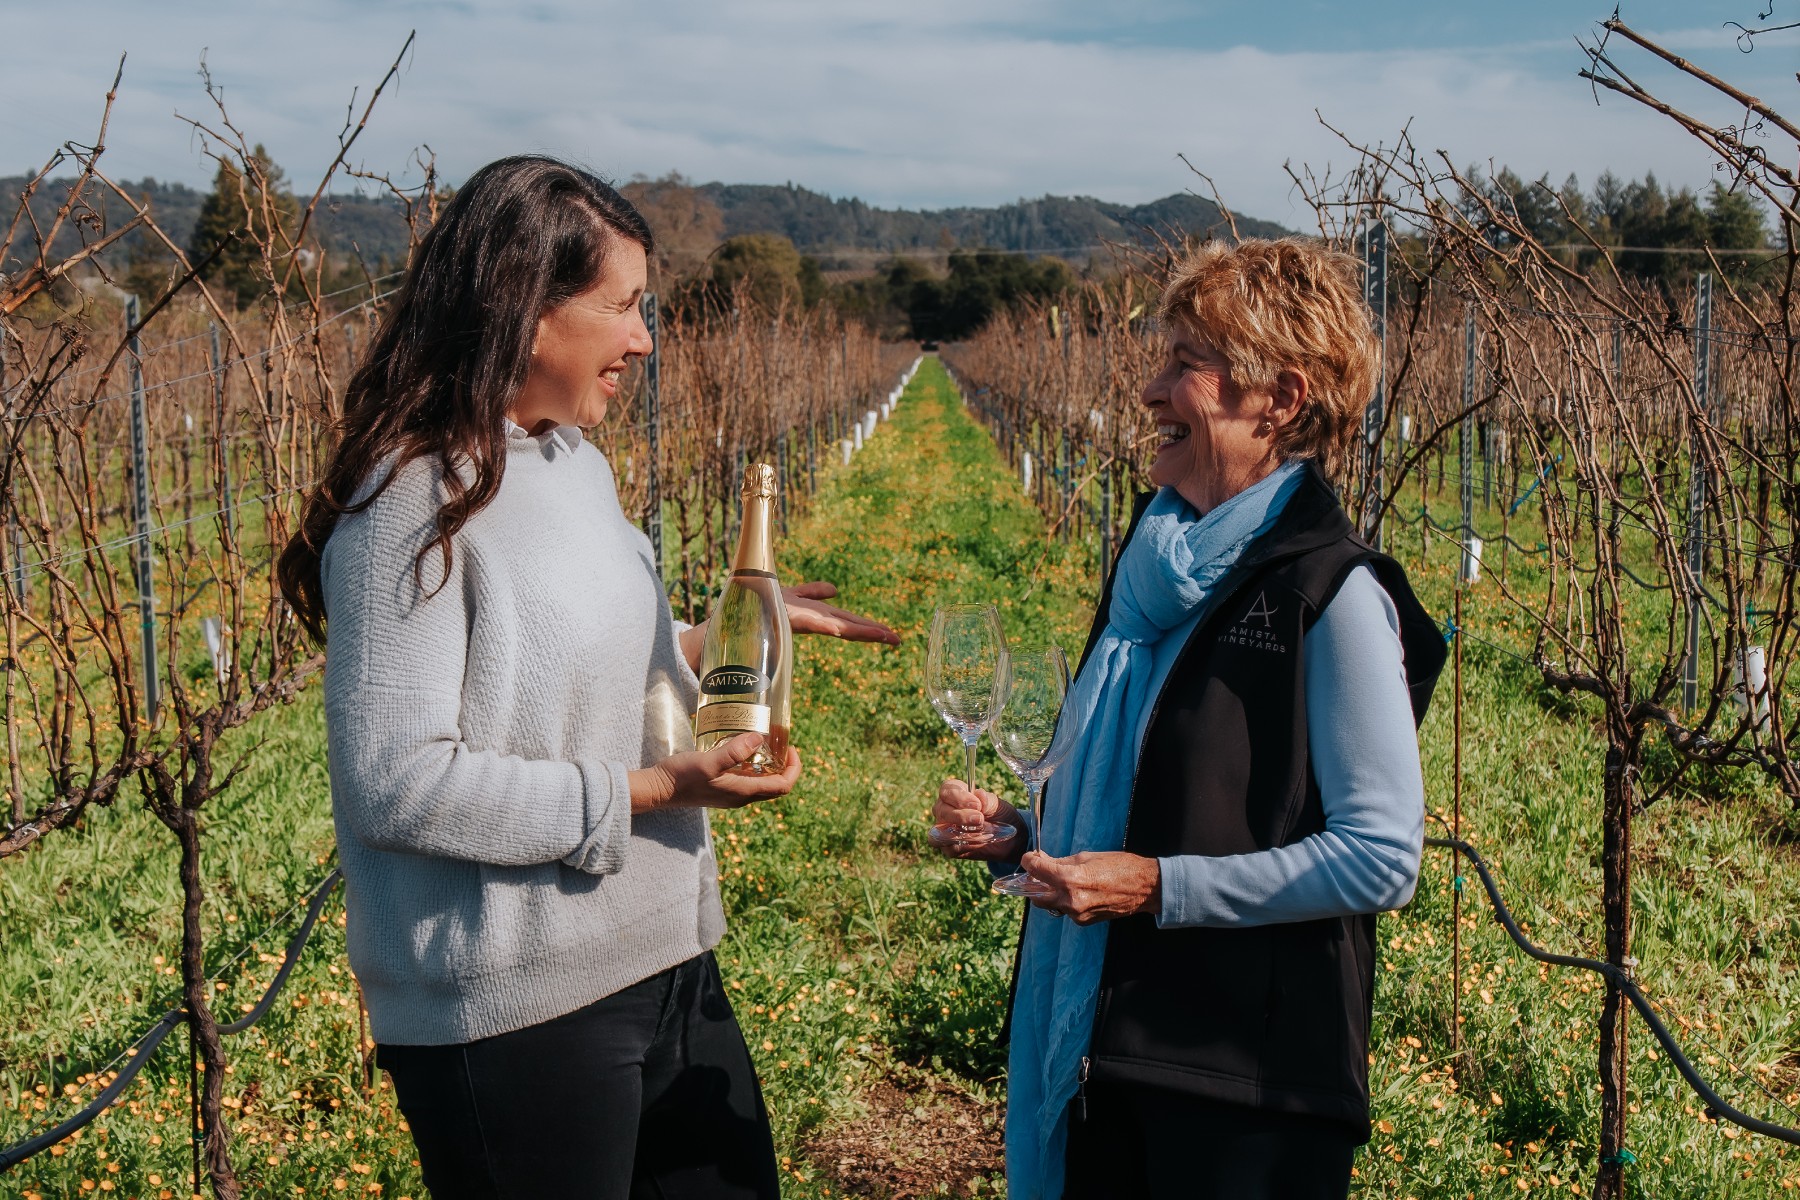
(346, 222)
(1068, 226)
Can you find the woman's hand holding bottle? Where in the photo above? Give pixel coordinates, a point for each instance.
(707, 778)
(958, 805)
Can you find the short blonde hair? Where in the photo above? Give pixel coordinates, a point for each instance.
(1269, 306)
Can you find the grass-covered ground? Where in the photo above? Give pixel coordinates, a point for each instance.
(869, 975)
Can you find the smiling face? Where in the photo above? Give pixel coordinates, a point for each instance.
(584, 345)
(1214, 439)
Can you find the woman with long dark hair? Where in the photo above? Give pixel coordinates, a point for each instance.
(532, 897)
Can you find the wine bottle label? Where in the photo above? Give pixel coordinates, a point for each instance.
(732, 717)
(733, 681)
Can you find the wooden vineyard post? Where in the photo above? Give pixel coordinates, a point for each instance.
(1066, 517)
(1697, 487)
(653, 430)
(1618, 366)
(1465, 450)
(1456, 875)
(1106, 524)
(1424, 473)
(781, 473)
(1375, 295)
(1487, 464)
(15, 553)
(15, 548)
(15, 536)
(224, 463)
(140, 505)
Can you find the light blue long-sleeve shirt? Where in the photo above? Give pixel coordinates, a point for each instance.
(1365, 755)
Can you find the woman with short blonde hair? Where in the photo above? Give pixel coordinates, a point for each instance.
(1242, 793)
(1270, 305)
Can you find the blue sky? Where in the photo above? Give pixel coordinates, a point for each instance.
(903, 102)
(1325, 25)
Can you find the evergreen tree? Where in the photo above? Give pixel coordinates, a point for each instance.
(812, 281)
(1683, 228)
(1734, 221)
(1574, 201)
(1609, 198)
(254, 214)
(1641, 226)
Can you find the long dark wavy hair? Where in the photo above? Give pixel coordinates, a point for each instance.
(521, 237)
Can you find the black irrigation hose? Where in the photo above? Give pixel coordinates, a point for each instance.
(145, 1046)
(1654, 587)
(1490, 538)
(1715, 1104)
(1521, 547)
(1450, 532)
(296, 944)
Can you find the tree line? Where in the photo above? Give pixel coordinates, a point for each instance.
(899, 296)
(1656, 234)
(706, 255)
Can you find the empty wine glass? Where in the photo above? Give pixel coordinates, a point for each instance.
(1025, 733)
(963, 668)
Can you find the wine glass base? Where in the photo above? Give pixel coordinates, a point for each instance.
(969, 837)
(1023, 884)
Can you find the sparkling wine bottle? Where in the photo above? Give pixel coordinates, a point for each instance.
(747, 665)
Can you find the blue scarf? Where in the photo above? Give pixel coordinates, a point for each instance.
(1168, 573)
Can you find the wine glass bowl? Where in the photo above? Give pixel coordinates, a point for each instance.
(965, 662)
(1025, 732)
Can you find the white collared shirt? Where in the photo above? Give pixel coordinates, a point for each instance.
(565, 437)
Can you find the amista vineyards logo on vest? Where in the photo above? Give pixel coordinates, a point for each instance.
(1256, 628)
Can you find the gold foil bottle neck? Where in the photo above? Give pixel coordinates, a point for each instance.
(759, 482)
(756, 539)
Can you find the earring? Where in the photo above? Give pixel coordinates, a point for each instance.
(1266, 428)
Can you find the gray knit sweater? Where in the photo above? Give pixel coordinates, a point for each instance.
(479, 740)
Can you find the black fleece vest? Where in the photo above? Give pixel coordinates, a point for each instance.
(1274, 1017)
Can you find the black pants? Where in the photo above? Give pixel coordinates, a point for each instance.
(1139, 1143)
(647, 1094)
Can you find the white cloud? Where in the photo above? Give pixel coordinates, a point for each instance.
(929, 103)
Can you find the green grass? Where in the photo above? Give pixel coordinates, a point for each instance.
(836, 891)
(853, 953)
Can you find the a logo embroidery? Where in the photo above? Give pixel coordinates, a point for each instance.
(1256, 637)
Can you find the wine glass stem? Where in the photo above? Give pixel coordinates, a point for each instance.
(969, 745)
(1036, 838)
